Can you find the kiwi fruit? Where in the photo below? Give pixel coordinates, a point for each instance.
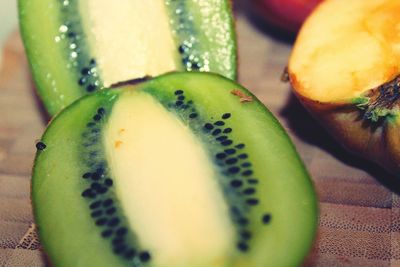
(76, 47)
(187, 169)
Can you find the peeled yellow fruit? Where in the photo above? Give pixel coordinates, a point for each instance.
(345, 69)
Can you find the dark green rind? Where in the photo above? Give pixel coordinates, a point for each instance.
(284, 182)
(40, 22)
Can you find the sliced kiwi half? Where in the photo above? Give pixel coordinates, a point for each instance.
(76, 47)
(188, 169)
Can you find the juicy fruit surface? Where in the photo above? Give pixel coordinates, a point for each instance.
(175, 171)
(77, 47)
(339, 57)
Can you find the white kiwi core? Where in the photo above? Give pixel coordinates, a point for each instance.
(166, 184)
(130, 39)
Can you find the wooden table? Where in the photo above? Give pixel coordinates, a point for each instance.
(359, 215)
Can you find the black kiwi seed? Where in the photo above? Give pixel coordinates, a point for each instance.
(233, 170)
(242, 246)
(117, 241)
(178, 103)
(243, 156)
(100, 170)
(226, 142)
(235, 210)
(108, 202)
(231, 161)
(236, 183)
(247, 173)
(90, 87)
(243, 221)
(181, 97)
(193, 115)
(96, 176)
(221, 156)
(86, 175)
(240, 146)
(40, 146)
(266, 218)
(178, 92)
(226, 116)
(252, 181)
(249, 191)
(96, 186)
(227, 130)
(92, 61)
(102, 190)
(71, 35)
(101, 111)
(222, 138)
(182, 49)
(219, 123)
(95, 204)
(108, 182)
(230, 151)
(113, 222)
(245, 235)
(208, 126)
(96, 213)
(111, 211)
(121, 231)
(95, 130)
(82, 81)
(196, 65)
(85, 71)
(97, 117)
(119, 249)
(89, 193)
(246, 164)
(101, 221)
(130, 254)
(252, 201)
(216, 132)
(106, 233)
(144, 256)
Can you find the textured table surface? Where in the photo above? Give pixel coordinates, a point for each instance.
(359, 215)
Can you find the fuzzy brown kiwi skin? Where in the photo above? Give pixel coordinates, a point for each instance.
(377, 142)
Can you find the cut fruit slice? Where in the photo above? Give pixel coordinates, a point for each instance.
(78, 47)
(175, 171)
(345, 69)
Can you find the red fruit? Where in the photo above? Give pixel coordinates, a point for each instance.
(288, 15)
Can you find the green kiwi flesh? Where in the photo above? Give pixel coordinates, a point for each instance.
(76, 47)
(174, 171)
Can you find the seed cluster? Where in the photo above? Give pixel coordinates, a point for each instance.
(185, 32)
(79, 56)
(240, 187)
(102, 201)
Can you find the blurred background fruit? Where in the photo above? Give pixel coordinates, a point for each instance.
(287, 15)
